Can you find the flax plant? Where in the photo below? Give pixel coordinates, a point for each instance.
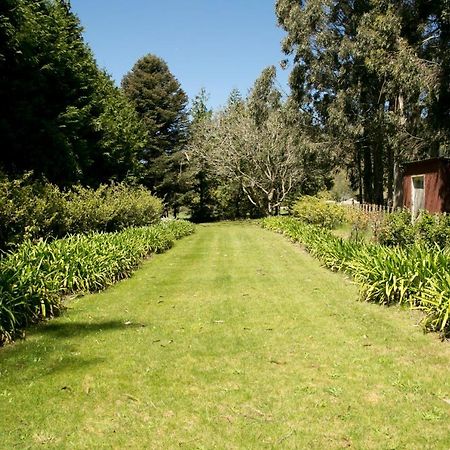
(35, 278)
(416, 276)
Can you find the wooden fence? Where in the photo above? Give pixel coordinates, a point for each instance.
(372, 209)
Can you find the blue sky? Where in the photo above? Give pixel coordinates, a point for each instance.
(215, 44)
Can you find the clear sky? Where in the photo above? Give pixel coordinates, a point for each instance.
(215, 44)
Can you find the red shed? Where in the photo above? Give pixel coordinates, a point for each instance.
(426, 185)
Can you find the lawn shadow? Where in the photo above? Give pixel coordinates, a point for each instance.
(63, 329)
(55, 345)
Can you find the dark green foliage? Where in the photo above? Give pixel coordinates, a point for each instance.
(122, 137)
(32, 210)
(374, 78)
(29, 210)
(34, 279)
(161, 104)
(57, 106)
(201, 182)
(411, 276)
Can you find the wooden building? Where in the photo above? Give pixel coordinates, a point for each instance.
(426, 185)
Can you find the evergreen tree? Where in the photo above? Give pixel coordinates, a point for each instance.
(55, 101)
(200, 193)
(161, 104)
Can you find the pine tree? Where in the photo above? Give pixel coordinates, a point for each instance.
(161, 104)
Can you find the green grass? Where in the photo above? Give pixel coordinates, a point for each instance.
(234, 339)
(344, 231)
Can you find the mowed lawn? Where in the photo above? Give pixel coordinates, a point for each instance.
(234, 339)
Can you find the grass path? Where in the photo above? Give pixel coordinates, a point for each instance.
(234, 339)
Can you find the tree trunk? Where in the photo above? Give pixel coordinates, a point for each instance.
(367, 175)
(378, 172)
(398, 182)
(390, 175)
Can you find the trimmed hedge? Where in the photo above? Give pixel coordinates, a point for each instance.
(416, 275)
(35, 278)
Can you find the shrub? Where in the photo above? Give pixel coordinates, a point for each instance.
(411, 275)
(29, 210)
(34, 278)
(33, 209)
(433, 229)
(361, 222)
(319, 212)
(429, 229)
(109, 208)
(396, 229)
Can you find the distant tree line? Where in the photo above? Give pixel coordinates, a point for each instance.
(253, 156)
(370, 89)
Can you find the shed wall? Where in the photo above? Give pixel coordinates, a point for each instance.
(445, 188)
(437, 195)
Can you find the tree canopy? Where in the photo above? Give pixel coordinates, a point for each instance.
(257, 151)
(370, 89)
(374, 76)
(60, 114)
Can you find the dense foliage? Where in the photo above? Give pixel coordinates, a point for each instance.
(411, 275)
(61, 116)
(316, 211)
(429, 229)
(31, 210)
(161, 103)
(374, 76)
(34, 278)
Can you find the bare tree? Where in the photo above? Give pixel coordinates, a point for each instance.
(266, 158)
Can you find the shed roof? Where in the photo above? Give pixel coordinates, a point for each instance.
(427, 161)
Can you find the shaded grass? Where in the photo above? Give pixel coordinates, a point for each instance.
(233, 339)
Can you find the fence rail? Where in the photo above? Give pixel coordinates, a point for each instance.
(371, 208)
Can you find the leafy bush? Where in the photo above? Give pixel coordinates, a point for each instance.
(429, 229)
(28, 210)
(32, 210)
(433, 229)
(411, 275)
(34, 279)
(316, 211)
(110, 208)
(396, 229)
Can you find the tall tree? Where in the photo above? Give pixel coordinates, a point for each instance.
(264, 97)
(55, 100)
(197, 174)
(161, 104)
(122, 137)
(372, 75)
